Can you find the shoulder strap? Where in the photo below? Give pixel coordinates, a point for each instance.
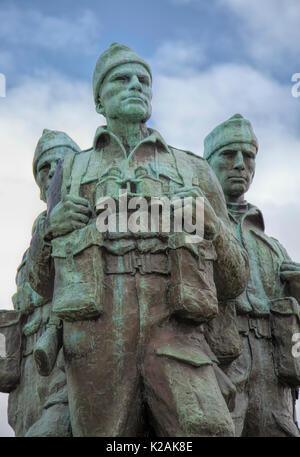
(67, 169)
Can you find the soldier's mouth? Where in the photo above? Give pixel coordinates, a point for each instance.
(134, 95)
(237, 178)
(134, 99)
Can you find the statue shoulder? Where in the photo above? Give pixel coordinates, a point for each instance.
(184, 155)
(81, 155)
(197, 162)
(38, 219)
(75, 160)
(281, 248)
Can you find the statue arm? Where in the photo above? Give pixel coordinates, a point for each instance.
(231, 269)
(39, 262)
(65, 214)
(290, 272)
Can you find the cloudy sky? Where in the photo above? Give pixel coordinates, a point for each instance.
(210, 60)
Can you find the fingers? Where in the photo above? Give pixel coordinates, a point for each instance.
(290, 266)
(76, 205)
(79, 209)
(80, 218)
(78, 201)
(189, 192)
(290, 274)
(77, 224)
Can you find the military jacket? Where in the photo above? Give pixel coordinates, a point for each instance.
(266, 255)
(152, 168)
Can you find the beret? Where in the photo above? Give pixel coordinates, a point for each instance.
(237, 129)
(51, 139)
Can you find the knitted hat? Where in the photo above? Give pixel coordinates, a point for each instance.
(234, 130)
(51, 139)
(115, 55)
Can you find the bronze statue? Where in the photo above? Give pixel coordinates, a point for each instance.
(38, 406)
(134, 305)
(266, 373)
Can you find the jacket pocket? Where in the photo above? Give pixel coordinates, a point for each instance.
(184, 353)
(285, 322)
(78, 284)
(192, 291)
(223, 335)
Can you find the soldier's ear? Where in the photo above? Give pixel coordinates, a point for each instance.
(42, 197)
(100, 107)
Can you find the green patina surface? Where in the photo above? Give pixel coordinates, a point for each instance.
(125, 327)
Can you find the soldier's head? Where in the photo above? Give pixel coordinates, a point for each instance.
(52, 147)
(231, 150)
(122, 85)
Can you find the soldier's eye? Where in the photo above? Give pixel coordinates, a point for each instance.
(121, 78)
(44, 167)
(143, 80)
(228, 153)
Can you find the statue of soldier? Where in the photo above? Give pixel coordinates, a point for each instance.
(134, 304)
(267, 311)
(39, 405)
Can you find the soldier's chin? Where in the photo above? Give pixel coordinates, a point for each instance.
(136, 114)
(237, 189)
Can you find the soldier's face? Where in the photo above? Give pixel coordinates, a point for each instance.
(126, 94)
(234, 166)
(46, 168)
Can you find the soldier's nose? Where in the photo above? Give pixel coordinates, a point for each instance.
(51, 171)
(135, 83)
(239, 161)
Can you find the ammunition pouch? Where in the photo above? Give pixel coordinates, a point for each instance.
(192, 291)
(285, 322)
(78, 284)
(10, 349)
(222, 333)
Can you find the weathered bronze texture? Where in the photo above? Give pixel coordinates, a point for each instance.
(142, 332)
(266, 373)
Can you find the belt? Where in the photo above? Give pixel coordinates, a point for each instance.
(134, 261)
(259, 325)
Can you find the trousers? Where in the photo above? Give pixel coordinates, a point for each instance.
(137, 370)
(264, 406)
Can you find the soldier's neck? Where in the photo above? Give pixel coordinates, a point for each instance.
(235, 199)
(130, 134)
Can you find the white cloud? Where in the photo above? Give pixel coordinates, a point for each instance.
(178, 58)
(31, 27)
(270, 28)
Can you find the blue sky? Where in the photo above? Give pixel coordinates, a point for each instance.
(68, 35)
(210, 60)
(57, 34)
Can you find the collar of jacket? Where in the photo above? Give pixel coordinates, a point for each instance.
(253, 214)
(104, 136)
